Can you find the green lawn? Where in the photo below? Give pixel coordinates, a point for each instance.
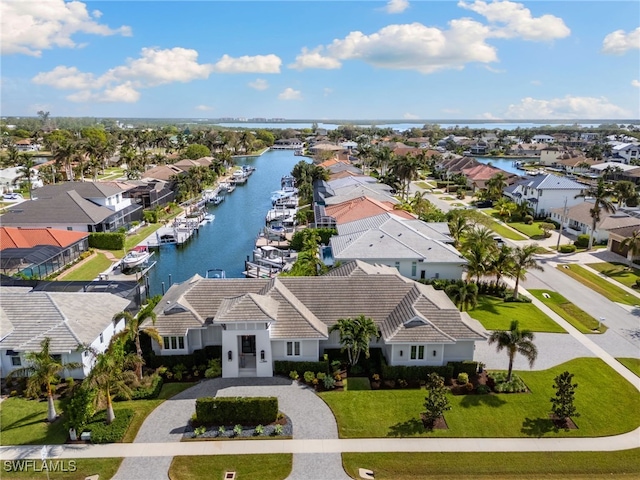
(512, 465)
(505, 232)
(632, 364)
(496, 314)
(24, 421)
(617, 271)
(89, 269)
(84, 467)
(358, 383)
(532, 231)
(598, 284)
(607, 404)
(577, 317)
(264, 467)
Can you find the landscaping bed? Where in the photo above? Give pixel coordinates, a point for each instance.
(282, 427)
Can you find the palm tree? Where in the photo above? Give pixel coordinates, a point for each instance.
(496, 185)
(626, 191)
(600, 194)
(480, 236)
(355, 335)
(458, 227)
(477, 256)
(26, 171)
(463, 294)
(134, 328)
(501, 263)
(111, 374)
(41, 371)
(633, 245)
(515, 341)
(523, 260)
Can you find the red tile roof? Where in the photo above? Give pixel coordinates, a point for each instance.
(11, 237)
(362, 207)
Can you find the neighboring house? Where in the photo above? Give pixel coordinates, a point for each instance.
(577, 220)
(575, 164)
(478, 176)
(76, 323)
(550, 155)
(11, 177)
(39, 252)
(527, 149)
(259, 321)
(26, 145)
(287, 144)
(627, 152)
(546, 192)
(162, 172)
(417, 249)
(456, 164)
(357, 209)
(325, 146)
(619, 235)
(77, 206)
(546, 139)
(150, 193)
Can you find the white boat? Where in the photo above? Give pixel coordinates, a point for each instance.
(270, 256)
(135, 257)
(231, 188)
(216, 273)
(217, 200)
(208, 218)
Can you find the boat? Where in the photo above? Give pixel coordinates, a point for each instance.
(136, 256)
(217, 200)
(231, 188)
(208, 218)
(271, 256)
(248, 169)
(215, 273)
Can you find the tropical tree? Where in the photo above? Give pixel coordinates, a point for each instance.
(523, 260)
(436, 402)
(501, 263)
(355, 335)
(112, 374)
(625, 190)
(458, 227)
(600, 195)
(480, 236)
(496, 185)
(477, 256)
(463, 294)
(562, 403)
(633, 245)
(134, 328)
(515, 341)
(26, 171)
(41, 371)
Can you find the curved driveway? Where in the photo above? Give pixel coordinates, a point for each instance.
(310, 416)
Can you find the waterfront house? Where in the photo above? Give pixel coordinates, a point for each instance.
(626, 152)
(76, 206)
(288, 144)
(617, 236)
(543, 193)
(77, 324)
(259, 321)
(479, 175)
(417, 249)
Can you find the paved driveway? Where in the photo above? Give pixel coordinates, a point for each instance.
(310, 416)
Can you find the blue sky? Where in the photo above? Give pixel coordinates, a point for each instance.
(399, 59)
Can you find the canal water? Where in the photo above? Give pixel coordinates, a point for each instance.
(506, 164)
(226, 242)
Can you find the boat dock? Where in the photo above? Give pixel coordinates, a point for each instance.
(253, 270)
(178, 233)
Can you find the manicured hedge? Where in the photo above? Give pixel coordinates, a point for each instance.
(146, 393)
(103, 433)
(582, 241)
(370, 365)
(568, 248)
(199, 357)
(413, 374)
(283, 367)
(469, 367)
(107, 240)
(238, 410)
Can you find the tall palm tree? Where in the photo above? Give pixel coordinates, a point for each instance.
(464, 295)
(111, 374)
(501, 263)
(355, 335)
(515, 341)
(26, 171)
(480, 236)
(458, 227)
(600, 194)
(626, 191)
(41, 371)
(523, 260)
(477, 256)
(633, 244)
(496, 185)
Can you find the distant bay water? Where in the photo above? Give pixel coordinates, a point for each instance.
(401, 126)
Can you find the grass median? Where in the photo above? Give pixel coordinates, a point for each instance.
(619, 272)
(577, 317)
(265, 467)
(599, 284)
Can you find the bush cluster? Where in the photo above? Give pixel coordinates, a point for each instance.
(199, 357)
(107, 240)
(414, 374)
(468, 366)
(582, 241)
(567, 248)
(238, 410)
(103, 433)
(150, 391)
(284, 367)
(500, 384)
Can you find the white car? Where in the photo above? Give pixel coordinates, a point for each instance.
(12, 196)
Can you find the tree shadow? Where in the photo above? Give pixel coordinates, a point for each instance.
(37, 417)
(470, 401)
(406, 429)
(538, 427)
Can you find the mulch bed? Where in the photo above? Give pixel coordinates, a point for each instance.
(439, 424)
(559, 423)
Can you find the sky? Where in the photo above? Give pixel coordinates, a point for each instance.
(400, 59)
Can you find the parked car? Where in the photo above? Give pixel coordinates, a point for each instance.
(12, 196)
(484, 204)
(499, 241)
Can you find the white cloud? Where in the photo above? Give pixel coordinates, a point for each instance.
(29, 27)
(204, 108)
(396, 6)
(518, 21)
(619, 42)
(66, 78)
(259, 84)
(120, 93)
(410, 116)
(314, 59)
(290, 94)
(568, 107)
(635, 83)
(246, 64)
(416, 47)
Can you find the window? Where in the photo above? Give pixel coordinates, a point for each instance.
(417, 352)
(173, 343)
(15, 361)
(414, 268)
(101, 339)
(398, 266)
(293, 349)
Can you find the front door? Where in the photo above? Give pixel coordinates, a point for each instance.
(248, 352)
(249, 344)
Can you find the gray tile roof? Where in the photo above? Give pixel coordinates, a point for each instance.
(553, 182)
(248, 307)
(69, 319)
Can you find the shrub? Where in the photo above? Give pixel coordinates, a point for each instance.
(463, 378)
(214, 368)
(178, 371)
(582, 241)
(562, 403)
(107, 240)
(103, 433)
(246, 411)
(436, 402)
(516, 385)
(284, 367)
(482, 389)
(237, 430)
(329, 383)
(81, 408)
(567, 248)
(199, 431)
(309, 377)
(259, 430)
(293, 375)
(417, 373)
(152, 390)
(356, 370)
(519, 299)
(528, 219)
(468, 387)
(468, 366)
(198, 357)
(277, 430)
(336, 365)
(14, 393)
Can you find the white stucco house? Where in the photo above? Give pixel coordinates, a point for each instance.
(73, 322)
(626, 151)
(259, 321)
(417, 249)
(546, 192)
